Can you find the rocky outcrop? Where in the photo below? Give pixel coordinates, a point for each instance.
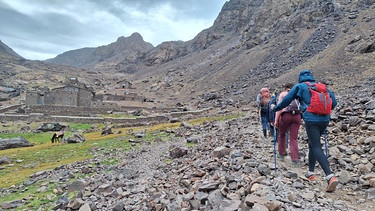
(51, 127)
(75, 138)
(5, 50)
(14, 143)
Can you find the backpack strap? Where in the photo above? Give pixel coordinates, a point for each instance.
(311, 86)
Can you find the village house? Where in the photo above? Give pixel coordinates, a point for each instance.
(73, 94)
(76, 94)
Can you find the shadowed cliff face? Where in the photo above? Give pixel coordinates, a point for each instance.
(251, 44)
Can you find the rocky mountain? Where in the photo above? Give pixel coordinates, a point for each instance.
(5, 50)
(251, 44)
(111, 57)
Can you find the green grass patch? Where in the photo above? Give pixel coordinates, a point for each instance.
(190, 144)
(168, 161)
(35, 138)
(75, 126)
(46, 156)
(29, 194)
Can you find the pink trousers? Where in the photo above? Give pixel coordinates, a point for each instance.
(293, 122)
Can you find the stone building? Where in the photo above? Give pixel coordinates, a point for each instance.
(78, 95)
(124, 84)
(73, 94)
(123, 96)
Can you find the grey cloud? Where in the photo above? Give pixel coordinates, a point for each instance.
(66, 25)
(187, 8)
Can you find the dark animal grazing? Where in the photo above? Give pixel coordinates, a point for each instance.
(57, 137)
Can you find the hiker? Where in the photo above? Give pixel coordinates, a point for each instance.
(271, 116)
(315, 125)
(263, 98)
(288, 119)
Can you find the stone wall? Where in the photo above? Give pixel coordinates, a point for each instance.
(67, 110)
(149, 120)
(87, 111)
(123, 97)
(10, 108)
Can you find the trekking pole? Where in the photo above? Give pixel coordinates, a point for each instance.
(325, 142)
(274, 145)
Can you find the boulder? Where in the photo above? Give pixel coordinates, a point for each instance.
(14, 143)
(75, 138)
(45, 127)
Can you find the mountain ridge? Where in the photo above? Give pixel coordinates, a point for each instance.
(250, 45)
(4, 49)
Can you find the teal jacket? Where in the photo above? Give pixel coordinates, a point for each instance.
(301, 91)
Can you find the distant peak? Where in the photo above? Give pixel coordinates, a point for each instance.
(135, 36)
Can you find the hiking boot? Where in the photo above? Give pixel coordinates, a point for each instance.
(332, 183)
(295, 163)
(281, 157)
(310, 176)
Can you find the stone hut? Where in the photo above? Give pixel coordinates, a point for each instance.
(124, 84)
(73, 94)
(122, 95)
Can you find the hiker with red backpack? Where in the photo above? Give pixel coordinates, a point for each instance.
(317, 102)
(263, 98)
(288, 119)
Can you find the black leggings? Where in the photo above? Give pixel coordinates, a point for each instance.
(314, 131)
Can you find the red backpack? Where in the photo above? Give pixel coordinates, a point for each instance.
(320, 101)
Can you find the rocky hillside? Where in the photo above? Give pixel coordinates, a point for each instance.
(251, 44)
(5, 50)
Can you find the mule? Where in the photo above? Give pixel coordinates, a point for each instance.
(57, 137)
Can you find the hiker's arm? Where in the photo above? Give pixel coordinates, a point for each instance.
(277, 114)
(292, 94)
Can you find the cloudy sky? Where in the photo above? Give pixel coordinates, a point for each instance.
(42, 29)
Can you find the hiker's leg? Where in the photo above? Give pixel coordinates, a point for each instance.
(313, 130)
(293, 135)
(281, 147)
(264, 126)
(326, 168)
(268, 126)
(311, 156)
